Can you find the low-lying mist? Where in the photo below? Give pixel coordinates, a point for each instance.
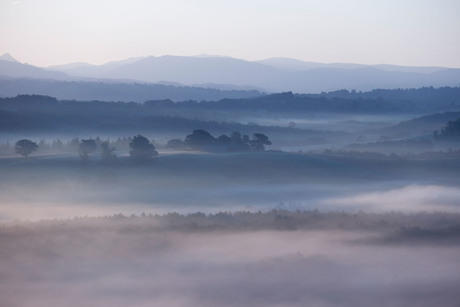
(239, 259)
(203, 233)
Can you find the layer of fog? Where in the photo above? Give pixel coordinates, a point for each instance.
(64, 187)
(408, 198)
(50, 203)
(339, 122)
(118, 263)
(279, 258)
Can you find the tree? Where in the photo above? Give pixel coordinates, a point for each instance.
(86, 148)
(198, 139)
(25, 147)
(258, 141)
(141, 148)
(239, 143)
(107, 152)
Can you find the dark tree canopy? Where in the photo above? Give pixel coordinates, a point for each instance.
(86, 148)
(198, 139)
(224, 140)
(452, 129)
(141, 148)
(202, 140)
(239, 143)
(25, 147)
(259, 141)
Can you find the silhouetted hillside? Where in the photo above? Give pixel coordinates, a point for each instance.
(114, 91)
(424, 100)
(33, 111)
(424, 125)
(14, 69)
(33, 114)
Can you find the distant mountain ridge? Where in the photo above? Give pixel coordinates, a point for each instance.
(298, 65)
(11, 68)
(8, 57)
(273, 75)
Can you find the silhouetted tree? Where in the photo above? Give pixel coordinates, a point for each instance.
(259, 141)
(224, 140)
(452, 129)
(198, 139)
(141, 148)
(85, 148)
(25, 147)
(239, 143)
(107, 152)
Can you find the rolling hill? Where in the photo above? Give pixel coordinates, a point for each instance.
(273, 75)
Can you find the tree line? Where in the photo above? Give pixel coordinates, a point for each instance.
(141, 148)
(451, 130)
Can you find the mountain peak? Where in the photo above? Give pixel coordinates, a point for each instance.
(8, 57)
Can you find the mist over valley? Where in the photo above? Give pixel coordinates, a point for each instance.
(229, 153)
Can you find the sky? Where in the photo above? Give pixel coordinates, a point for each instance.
(401, 32)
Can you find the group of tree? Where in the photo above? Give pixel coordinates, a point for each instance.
(141, 149)
(416, 226)
(450, 131)
(202, 140)
(58, 146)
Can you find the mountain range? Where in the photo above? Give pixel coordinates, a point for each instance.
(270, 75)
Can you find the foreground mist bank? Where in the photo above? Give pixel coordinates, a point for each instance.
(278, 258)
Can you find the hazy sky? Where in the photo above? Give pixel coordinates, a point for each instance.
(405, 32)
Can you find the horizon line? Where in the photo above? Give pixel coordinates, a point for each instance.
(204, 55)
